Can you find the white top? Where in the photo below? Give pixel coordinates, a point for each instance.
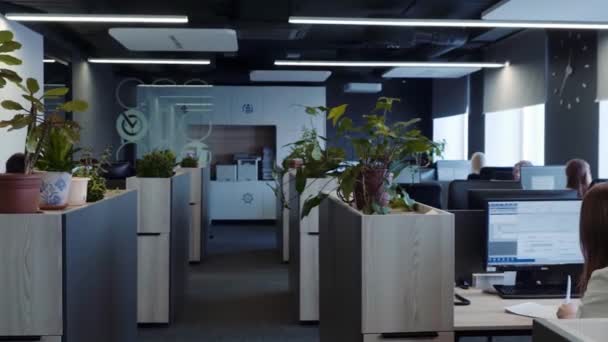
(594, 304)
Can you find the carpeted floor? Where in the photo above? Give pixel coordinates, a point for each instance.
(239, 294)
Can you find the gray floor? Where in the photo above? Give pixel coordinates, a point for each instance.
(239, 294)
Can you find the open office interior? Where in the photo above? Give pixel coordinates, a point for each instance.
(304, 170)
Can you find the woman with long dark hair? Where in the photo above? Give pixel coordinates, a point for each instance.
(594, 246)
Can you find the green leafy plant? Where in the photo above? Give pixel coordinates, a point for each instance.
(189, 161)
(156, 164)
(56, 153)
(93, 170)
(38, 119)
(383, 150)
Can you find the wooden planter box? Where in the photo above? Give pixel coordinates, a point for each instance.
(162, 238)
(304, 248)
(70, 275)
(196, 207)
(385, 274)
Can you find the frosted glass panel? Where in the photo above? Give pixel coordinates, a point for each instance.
(454, 131)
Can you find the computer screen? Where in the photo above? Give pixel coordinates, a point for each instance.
(449, 170)
(533, 233)
(543, 177)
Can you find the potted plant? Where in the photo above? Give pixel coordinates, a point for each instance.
(189, 162)
(56, 162)
(383, 151)
(88, 184)
(21, 190)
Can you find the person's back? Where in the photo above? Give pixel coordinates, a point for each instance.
(578, 173)
(594, 303)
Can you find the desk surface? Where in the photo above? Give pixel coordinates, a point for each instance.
(487, 312)
(577, 329)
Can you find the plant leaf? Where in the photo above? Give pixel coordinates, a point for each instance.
(32, 85)
(10, 60)
(74, 106)
(10, 75)
(56, 92)
(11, 105)
(336, 113)
(6, 36)
(316, 153)
(9, 46)
(312, 203)
(300, 180)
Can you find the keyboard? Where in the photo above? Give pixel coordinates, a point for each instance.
(537, 292)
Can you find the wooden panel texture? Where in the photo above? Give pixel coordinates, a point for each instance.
(408, 272)
(153, 278)
(31, 275)
(154, 203)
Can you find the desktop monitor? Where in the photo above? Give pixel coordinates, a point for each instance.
(534, 234)
(478, 198)
(412, 175)
(449, 170)
(543, 177)
(497, 173)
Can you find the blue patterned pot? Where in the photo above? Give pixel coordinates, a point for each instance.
(55, 190)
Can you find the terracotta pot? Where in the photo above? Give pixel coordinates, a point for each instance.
(19, 193)
(78, 191)
(55, 190)
(371, 182)
(295, 163)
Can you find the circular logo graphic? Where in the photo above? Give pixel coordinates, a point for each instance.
(132, 125)
(247, 198)
(247, 108)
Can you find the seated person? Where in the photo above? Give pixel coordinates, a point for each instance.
(594, 246)
(16, 163)
(579, 176)
(478, 161)
(517, 169)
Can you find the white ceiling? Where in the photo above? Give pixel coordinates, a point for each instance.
(424, 72)
(550, 10)
(289, 75)
(175, 39)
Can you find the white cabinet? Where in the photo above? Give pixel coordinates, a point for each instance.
(242, 201)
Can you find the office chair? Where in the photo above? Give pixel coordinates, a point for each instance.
(425, 193)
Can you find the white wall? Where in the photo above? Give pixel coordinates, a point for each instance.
(32, 54)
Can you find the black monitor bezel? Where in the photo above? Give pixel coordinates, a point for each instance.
(503, 268)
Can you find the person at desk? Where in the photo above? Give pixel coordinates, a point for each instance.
(594, 246)
(579, 176)
(478, 161)
(517, 169)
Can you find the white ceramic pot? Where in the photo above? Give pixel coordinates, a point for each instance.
(78, 191)
(55, 190)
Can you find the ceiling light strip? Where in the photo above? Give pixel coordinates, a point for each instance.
(98, 18)
(450, 23)
(370, 64)
(149, 61)
(49, 60)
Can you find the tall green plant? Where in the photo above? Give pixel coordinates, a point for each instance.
(380, 147)
(56, 154)
(38, 119)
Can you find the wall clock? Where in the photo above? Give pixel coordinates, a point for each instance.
(574, 54)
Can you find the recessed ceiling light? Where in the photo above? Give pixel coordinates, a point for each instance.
(366, 64)
(570, 25)
(49, 60)
(149, 61)
(98, 18)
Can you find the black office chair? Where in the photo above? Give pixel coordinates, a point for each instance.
(425, 193)
(497, 173)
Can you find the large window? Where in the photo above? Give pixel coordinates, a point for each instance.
(454, 130)
(514, 135)
(603, 148)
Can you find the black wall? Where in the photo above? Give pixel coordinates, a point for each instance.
(415, 102)
(572, 118)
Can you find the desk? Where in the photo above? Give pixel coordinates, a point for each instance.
(486, 316)
(575, 330)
